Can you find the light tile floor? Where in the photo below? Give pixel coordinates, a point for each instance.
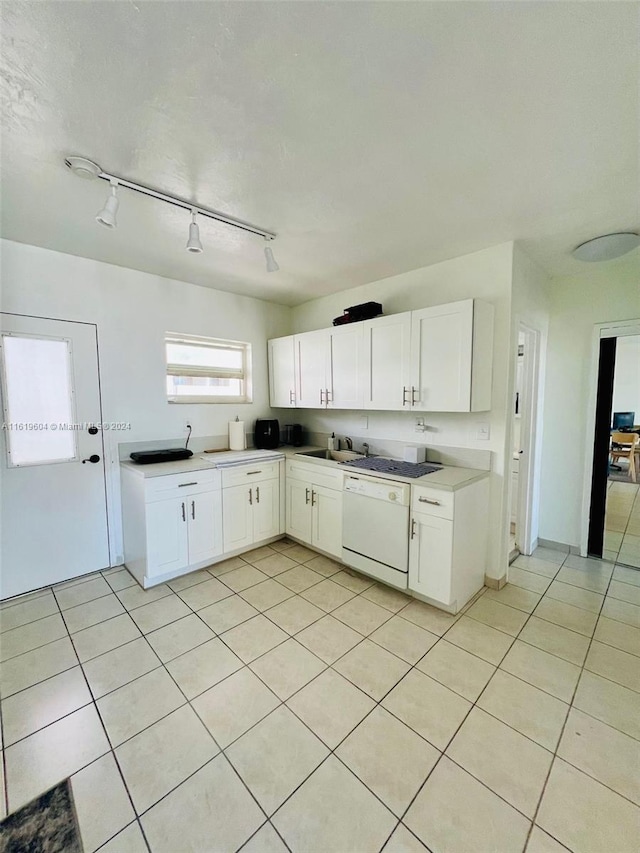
(278, 702)
(622, 523)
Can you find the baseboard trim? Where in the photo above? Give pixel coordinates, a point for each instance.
(495, 583)
(559, 546)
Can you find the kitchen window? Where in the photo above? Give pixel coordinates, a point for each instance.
(207, 370)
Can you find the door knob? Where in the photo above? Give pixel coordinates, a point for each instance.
(93, 458)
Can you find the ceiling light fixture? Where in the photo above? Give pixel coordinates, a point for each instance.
(107, 216)
(272, 264)
(88, 169)
(193, 243)
(607, 247)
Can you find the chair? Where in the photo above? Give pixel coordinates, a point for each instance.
(624, 446)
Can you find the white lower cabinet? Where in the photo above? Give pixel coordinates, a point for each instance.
(314, 507)
(171, 524)
(251, 510)
(448, 544)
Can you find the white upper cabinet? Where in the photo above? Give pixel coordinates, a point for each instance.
(282, 373)
(345, 372)
(433, 360)
(451, 357)
(312, 355)
(387, 362)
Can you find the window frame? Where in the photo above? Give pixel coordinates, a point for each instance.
(243, 374)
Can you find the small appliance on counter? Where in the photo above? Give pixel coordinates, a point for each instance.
(266, 435)
(293, 434)
(173, 454)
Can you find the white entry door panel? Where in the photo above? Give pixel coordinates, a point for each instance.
(54, 513)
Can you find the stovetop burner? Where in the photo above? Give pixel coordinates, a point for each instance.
(393, 466)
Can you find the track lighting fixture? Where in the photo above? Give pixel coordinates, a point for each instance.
(193, 243)
(272, 265)
(87, 169)
(107, 216)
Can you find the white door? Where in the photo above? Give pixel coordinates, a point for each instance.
(167, 537)
(205, 528)
(54, 513)
(327, 520)
(298, 508)
(430, 557)
(282, 374)
(345, 367)
(387, 362)
(266, 509)
(441, 347)
(312, 357)
(237, 518)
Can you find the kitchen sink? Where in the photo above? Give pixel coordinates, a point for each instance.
(335, 455)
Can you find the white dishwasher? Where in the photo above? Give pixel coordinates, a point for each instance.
(375, 528)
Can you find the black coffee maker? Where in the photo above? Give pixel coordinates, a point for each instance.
(293, 434)
(266, 435)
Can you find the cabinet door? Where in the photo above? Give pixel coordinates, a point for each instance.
(205, 526)
(441, 348)
(430, 556)
(237, 518)
(282, 374)
(167, 539)
(326, 533)
(387, 362)
(298, 509)
(312, 350)
(266, 509)
(345, 369)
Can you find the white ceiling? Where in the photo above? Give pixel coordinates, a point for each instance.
(375, 138)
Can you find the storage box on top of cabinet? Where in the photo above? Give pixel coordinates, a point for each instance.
(437, 359)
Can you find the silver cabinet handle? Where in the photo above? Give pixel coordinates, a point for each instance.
(429, 501)
(306, 496)
(251, 497)
(182, 485)
(292, 397)
(184, 515)
(321, 393)
(250, 473)
(326, 397)
(313, 497)
(193, 510)
(413, 528)
(413, 396)
(258, 494)
(404, 395)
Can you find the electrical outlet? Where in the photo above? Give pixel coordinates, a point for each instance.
(188, 425)
(364, 422)
(420, 425)
(483, 432)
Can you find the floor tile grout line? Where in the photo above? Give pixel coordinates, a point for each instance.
(564, 725)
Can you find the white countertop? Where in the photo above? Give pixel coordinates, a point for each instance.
(203, 462)
(448, 478)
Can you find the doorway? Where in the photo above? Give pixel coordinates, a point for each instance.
(614, 513)
(523, 520)
(54, 511)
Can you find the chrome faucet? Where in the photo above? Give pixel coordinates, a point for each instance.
(348, 442)
(365, 447)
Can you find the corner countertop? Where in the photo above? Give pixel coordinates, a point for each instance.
(203, 462)
(449, 478)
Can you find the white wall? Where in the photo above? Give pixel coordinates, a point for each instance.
(603, 293)
(530, 307)
(132, 311)
(484, 275)
(626, 381)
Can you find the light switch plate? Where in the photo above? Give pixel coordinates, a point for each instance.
(364, 422)
(483, 432)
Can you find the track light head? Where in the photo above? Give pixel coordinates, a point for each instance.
(272, 265)
(107, 216)
(193, 243)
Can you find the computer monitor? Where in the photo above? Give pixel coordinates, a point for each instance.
(623, 420)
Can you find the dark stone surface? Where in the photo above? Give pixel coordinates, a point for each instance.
(45, 825)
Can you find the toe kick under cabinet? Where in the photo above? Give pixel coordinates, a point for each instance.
(448, 543)
(172, 523)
